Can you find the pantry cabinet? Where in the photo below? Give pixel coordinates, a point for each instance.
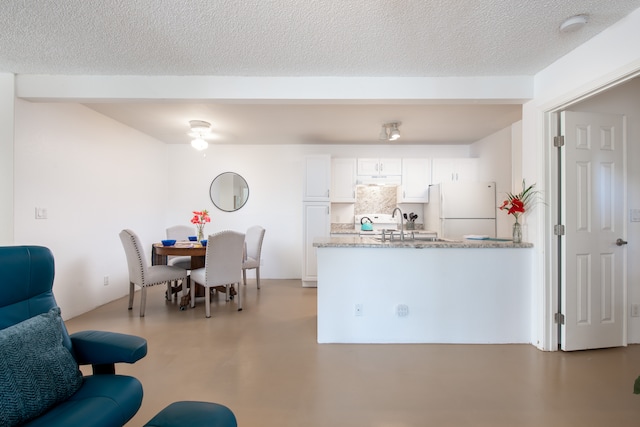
(317, 178)
(317, 223)
(343, 180)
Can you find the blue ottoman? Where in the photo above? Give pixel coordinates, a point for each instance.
(194, 414)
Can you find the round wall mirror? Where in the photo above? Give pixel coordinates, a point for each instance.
(229, 191)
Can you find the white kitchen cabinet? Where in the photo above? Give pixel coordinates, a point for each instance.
(317, 223)
(379, 167)
(416, 178)
(454, 169)
(317, 178)
(343, 180)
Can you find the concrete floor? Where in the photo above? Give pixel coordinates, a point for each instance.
(264, 364)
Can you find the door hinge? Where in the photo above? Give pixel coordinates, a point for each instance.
(558, 230)
(558, 141)
(558, 318)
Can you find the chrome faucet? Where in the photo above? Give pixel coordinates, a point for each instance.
(393, 215)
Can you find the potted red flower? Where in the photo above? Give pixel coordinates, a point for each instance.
(518, 204)
(200, 218)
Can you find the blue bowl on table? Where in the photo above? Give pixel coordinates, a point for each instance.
(170, 242)
(203, 242)
(193, 238)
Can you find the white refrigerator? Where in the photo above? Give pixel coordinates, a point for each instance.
(458, 209)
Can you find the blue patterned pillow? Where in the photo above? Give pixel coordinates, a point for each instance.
(36, 370)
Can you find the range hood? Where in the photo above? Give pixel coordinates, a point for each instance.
(391, 180)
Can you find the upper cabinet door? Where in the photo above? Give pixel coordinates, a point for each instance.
(378, 167)
(390, 166)
(451, 170)
(317, 180)
(368, 167)
(343, 180)
(416, 178)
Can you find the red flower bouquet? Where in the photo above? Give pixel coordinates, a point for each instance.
(518, 204)
(200, 218)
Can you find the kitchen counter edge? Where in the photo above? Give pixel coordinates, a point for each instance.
(369, 242)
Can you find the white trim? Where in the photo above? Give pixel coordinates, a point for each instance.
(421, 90)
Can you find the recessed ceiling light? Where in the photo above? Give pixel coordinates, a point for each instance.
(574, 23)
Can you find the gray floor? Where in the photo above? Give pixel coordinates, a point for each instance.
(265, 364)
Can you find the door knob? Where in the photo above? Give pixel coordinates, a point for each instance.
(621, 242)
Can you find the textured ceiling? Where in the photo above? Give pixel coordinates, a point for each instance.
(351, 38)
(294, 38)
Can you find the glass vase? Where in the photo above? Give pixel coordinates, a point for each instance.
(200, 234)
(517, 232)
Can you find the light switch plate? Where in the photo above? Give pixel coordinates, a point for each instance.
(41, 213)
(634, 215)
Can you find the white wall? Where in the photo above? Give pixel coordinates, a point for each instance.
(95, 177)
(7, 97)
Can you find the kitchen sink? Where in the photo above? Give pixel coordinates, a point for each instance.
(410, 237)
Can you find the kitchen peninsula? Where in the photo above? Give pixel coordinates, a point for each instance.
(415, 291)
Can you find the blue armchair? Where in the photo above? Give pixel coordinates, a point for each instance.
(40, 382)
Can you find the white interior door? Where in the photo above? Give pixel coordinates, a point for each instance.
(593, 281)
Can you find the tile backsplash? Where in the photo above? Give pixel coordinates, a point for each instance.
(371, 199)
(375, 199)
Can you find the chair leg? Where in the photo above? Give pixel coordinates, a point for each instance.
(132, 291)
(193, 294)
(227, 293)
(239, 298)
(258, 277)
(169, 289)
(207, 302)
(244, 276)
(143, 300)
(187, 285)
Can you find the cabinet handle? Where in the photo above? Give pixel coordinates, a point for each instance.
(377, 167)
(381, 167)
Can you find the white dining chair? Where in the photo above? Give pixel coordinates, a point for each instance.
(223, 267)
(143, 275)
(180, 233)
(253, 241)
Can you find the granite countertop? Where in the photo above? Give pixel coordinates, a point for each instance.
(371, 242)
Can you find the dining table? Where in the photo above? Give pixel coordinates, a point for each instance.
(197, 252)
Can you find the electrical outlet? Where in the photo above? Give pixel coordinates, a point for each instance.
(402, 310)
(106, 280)
(358, 310)
(635, 310)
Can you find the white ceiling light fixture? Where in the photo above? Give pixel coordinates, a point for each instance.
(199, 130)
(390, 131)
(574, 23)
(199, 144)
